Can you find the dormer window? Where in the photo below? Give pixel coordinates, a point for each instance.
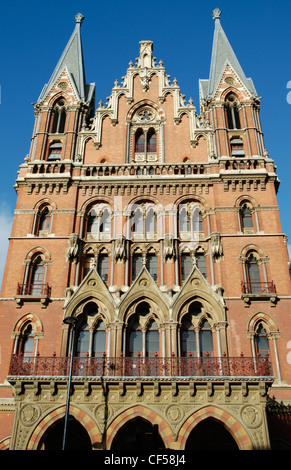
(232, 114)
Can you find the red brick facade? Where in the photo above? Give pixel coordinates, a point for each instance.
(139, 161)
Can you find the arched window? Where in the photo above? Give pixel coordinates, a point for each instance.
(152, 340)
(135, 339)
(253, 275)
(139, 141)
(137, 224)
(261, 341)
(83, 341)
(90, 341)
(36, 277)
(105, 222)
(151, 221)
(99, 340)
(43, 221)
(99, 221)
(143, 336)
(232, 114)
(93, 222)
(205, 340)
(26, 342)
(197, 223)
(58, 117)
(188, 337)
(184, 224)
(151, 141)
(246, 217)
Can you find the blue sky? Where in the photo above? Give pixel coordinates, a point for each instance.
(33, 35)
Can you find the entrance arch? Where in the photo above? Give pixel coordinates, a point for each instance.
(148, 415)
(210, 434)
(230, 424)
(54, 416)
(77, 436)
(138, 434)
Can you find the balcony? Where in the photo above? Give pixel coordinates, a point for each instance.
(32, 292)
(256, 290)
(142, 367)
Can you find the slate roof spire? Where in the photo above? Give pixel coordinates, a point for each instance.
(72, 58)
(222, 53)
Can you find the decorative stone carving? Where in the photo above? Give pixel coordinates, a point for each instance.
(72, 251)
(120, 250)
(216, 246)
(169, 250)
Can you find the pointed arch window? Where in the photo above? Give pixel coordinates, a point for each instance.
(232, 114)
(188, 337)
(205, 340)
(99, 340)
(26, 343)
(43, 221)
(142, 334)
(261, 341)
(36, 276)
(253, 275)
(246, 217)
(139, 141)
(152, 340)
(151, 141)
(99, 221)
(58, 117)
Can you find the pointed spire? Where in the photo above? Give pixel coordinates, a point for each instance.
(222, 53)
(72, 58)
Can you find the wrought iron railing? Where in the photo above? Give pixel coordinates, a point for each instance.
(142, 366)
(33, 289)
(256, 287)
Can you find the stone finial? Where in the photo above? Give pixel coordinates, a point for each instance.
(216, 14)
(79, 18)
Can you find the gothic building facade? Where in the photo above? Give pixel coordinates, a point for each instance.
(146, 296)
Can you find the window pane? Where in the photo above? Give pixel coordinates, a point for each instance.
(135, 342)
(246, 216)
(105, 222)
(82, 349)
(205, 340)
(188, 337)
(99, 340)
(152, 265)
(103, 267)
(183, 220)
(152, 340)
(136, 265)
(201, 263)
(186, 266)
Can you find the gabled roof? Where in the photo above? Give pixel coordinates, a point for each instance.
(222, 54)
(72, 59)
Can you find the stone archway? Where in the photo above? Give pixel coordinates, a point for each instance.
(210, 434)
(235, 429)
(54, 416)
(77, 436)
(138, 434)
